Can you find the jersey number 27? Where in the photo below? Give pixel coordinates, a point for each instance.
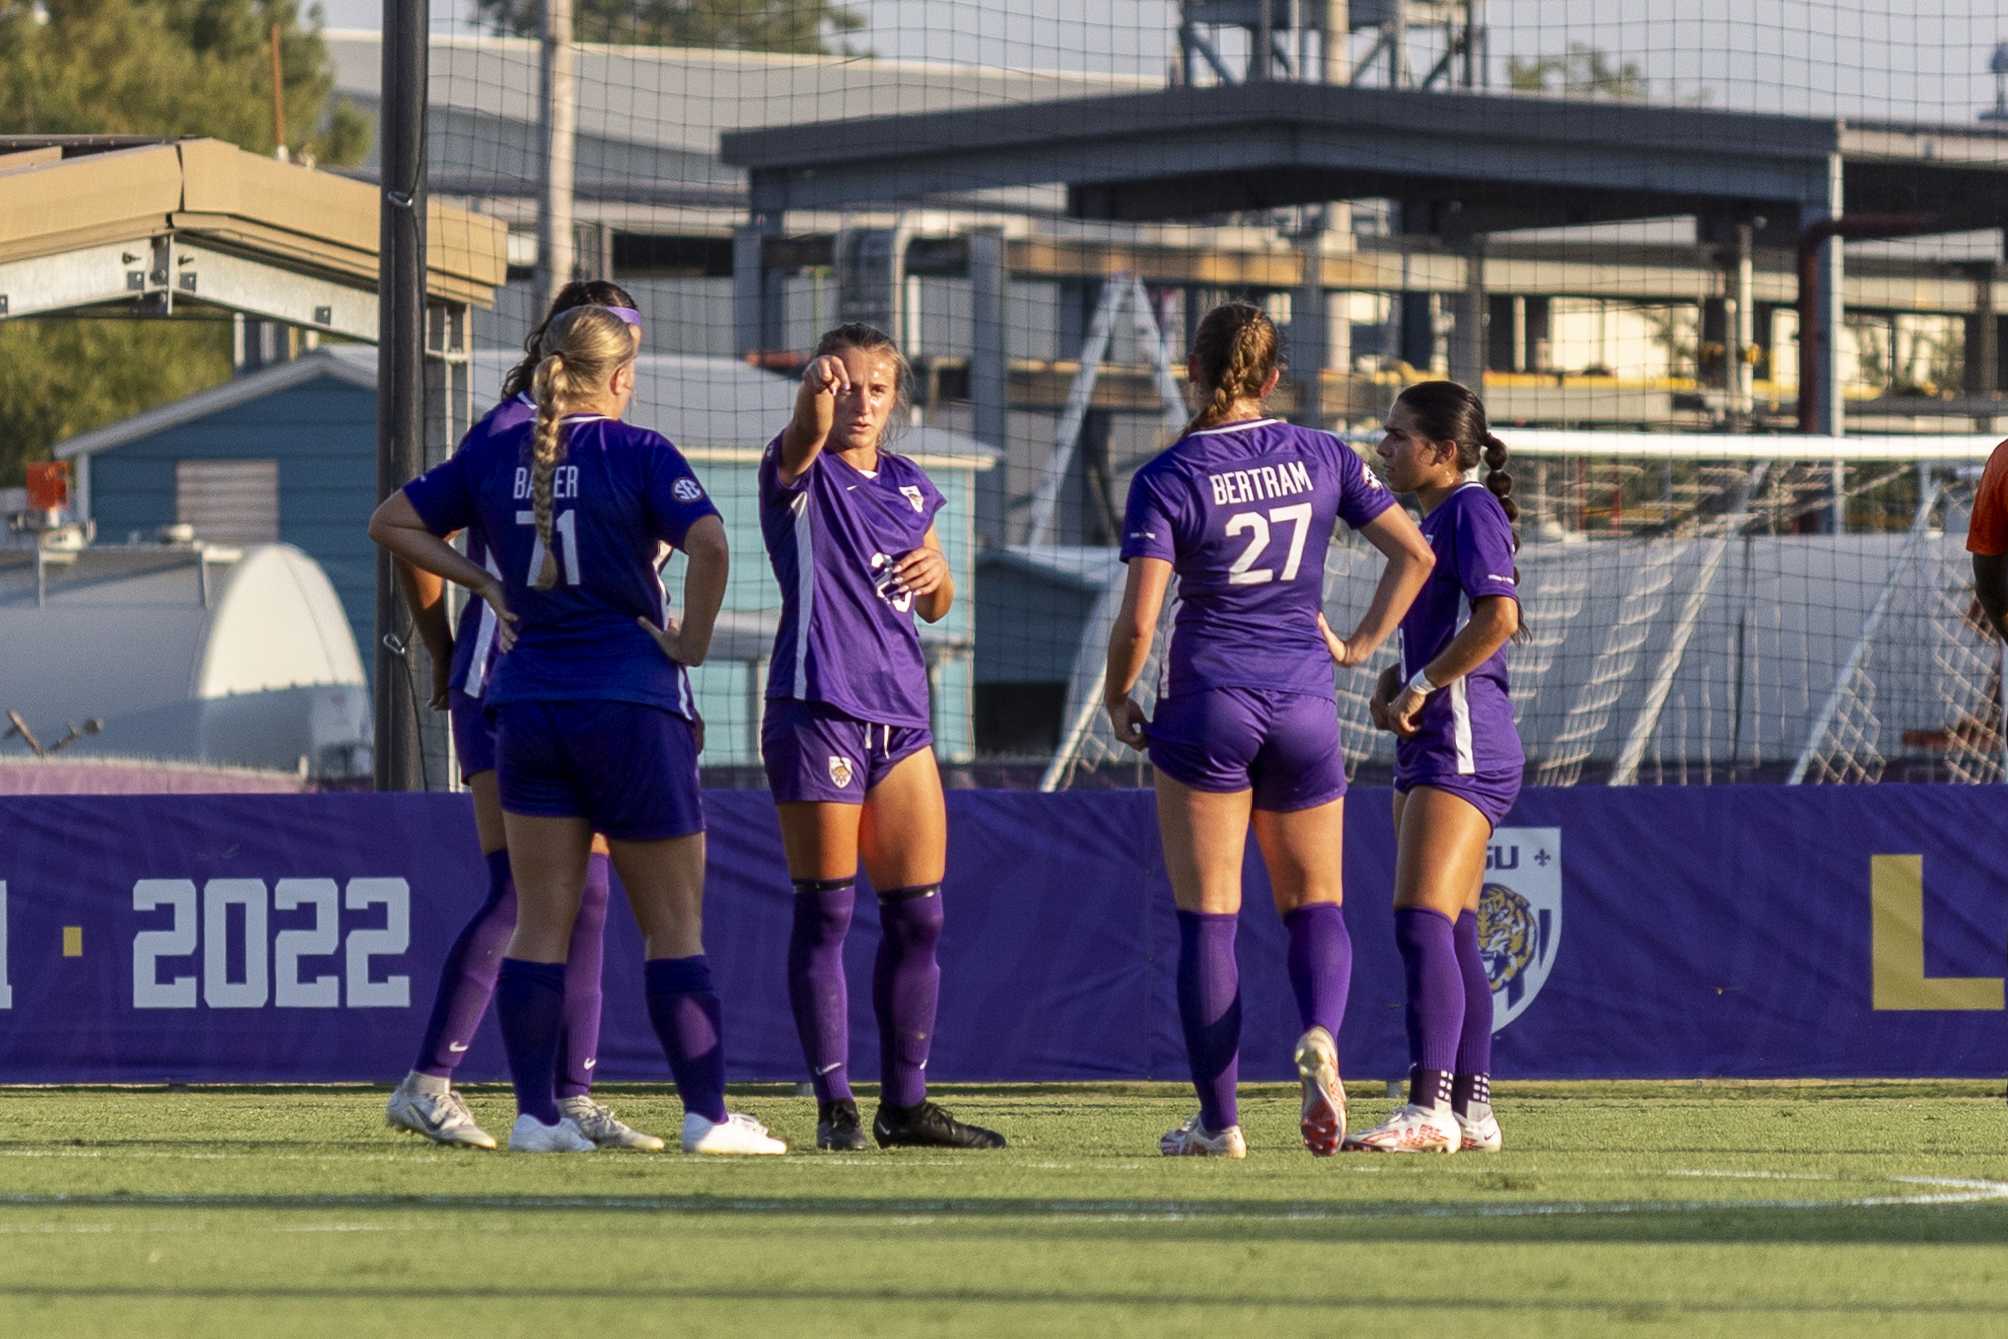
(1253, 523)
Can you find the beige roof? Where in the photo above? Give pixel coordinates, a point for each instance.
(204, 190)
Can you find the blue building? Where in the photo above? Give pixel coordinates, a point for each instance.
(287, 454)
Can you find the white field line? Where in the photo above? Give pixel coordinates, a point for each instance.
(107, 1229)
(1951, 1191)
(1757, 1176)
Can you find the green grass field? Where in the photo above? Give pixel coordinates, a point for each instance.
(1617, 1208)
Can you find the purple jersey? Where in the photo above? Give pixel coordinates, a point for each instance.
(474, 639)
(847, 639)
(618, 492)
(1466, 728)
(1244, 513)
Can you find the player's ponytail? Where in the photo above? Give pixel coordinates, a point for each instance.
(1444, 411)
(1498, 482)
(581, 350)
(1235, 349)
(553, 386)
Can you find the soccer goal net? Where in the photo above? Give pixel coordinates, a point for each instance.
(1704, 609)
(1580, 219)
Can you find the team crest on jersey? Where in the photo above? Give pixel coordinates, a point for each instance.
(911, 493)
(1520, 916)
(841, 770)
(686, 490)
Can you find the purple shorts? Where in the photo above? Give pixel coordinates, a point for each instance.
(816, 754)
(1490, 793)
(628, 769)
(1284, 746)
(473, 735)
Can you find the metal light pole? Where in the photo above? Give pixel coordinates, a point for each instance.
(400, 365)
(560, 133)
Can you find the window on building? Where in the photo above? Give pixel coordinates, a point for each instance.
(228, 501)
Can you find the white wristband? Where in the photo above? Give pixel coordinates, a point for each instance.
(1419, 683)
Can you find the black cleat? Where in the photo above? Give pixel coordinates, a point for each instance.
(928, 1126)
(837, 1128)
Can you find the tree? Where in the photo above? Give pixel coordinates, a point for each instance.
(61, 376)
(794, 26)
(172, 67)
(1584, 70)
(145, 67)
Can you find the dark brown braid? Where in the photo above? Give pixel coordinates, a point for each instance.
(1236, 348)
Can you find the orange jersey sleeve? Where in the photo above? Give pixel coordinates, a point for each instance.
(1988, 531)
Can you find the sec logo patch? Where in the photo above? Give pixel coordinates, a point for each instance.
(686, 490)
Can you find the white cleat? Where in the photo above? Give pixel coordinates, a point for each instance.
(1480, 1135)
(1412, 1129)
(738, 1135)
(1192, 1140)
(1323, 1122)
(530, 1135)
(441, 1117)
(597, 1123)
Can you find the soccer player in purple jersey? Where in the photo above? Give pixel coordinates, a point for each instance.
(595, 730)
(1457, 759)
(849, 529)
(425, 1103)
(1246, 735)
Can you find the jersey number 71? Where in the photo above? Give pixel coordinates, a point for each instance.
(565, 525)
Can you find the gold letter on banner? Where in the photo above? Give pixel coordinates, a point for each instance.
(1896, 944)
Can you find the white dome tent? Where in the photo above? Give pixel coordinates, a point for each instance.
(186, 652)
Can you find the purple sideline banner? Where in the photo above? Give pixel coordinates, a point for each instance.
(1651, 932)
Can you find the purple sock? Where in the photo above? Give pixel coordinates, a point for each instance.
(1209, 1007)
(906, 986)
(467, 977)
(1473, 1080)
(1435, 1001)
(816, 986)
(1321, 964)
(529, 1003)
(579, 1046)
(689, 1023)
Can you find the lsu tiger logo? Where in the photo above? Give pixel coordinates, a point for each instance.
(911, 493)
(841, 770)
(1520, 916)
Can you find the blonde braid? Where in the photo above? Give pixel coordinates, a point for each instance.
(552, 386)
(579, 352)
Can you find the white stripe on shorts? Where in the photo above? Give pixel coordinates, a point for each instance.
(1460, 726)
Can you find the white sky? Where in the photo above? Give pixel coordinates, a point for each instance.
(1922, 60)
